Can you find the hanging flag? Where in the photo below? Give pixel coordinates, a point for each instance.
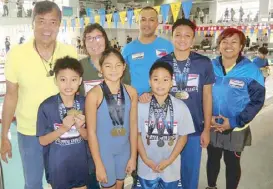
(211, 32)
(86, 21)
(77, 20)
(64, 24)
(97, 19)
(109, 19)
(116, 19)
(73, 23)
(130, 17)
(175, 8)
(92, 19)
(199, 33)
(187, 5)
(205, 32)
(136, 13)
(165, 8)
(122, 17)
(102, 16)
(157, 8)
(82, 22)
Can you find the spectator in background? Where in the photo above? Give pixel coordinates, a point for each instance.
(262, 62)
(247, 41)
(22, 39)
(20, 8)
(232, 13)
(82, 10)
(265, 40)
(7, 44)
(201, 15)
(5, 8)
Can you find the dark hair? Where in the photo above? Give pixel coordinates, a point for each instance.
(149, 8)
(161, 64)
(230, 32)
(90, 28)
(44, 7)
(109, 51)
(263, 50)
(68, 63)
(184, 22)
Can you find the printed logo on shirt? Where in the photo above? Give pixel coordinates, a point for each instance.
(88, 85)
(236, 83)
(138, 56)
(70, 137)
(166, 136)
(192, 83)
(160, 52)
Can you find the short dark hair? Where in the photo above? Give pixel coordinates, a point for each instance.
(230, 32)
(109, 51)
(149, 8)
(184, 22)
(161, 64)
(91, 27)
(44, 7)
(68, 63)
(263, 50)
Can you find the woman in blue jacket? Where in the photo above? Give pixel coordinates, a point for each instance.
(238, 96)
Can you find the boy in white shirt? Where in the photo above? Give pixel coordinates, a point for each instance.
(163, 125)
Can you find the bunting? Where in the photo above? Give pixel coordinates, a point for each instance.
(175, 8)
(122, 16)
(109, 19)
(136, 13)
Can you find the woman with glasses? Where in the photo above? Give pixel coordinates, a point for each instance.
(238, 95)
(95, 42)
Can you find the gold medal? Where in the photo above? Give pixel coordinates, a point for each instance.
(178, 95)
(171, 141)
(122, 131)
(182, 95)
(74, 112)
(114, 132)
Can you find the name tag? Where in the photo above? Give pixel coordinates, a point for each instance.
(88, 85)
(72, 133)
(193, 80)
(160, 52)
(236, 83)
(137, 56)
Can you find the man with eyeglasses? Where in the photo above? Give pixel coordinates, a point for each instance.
(30, 80)
(141, 53)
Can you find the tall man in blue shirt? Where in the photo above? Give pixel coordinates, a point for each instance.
(141, 53)
(192, 83)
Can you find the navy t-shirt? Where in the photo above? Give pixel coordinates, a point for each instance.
(65, 159)
(200, 74)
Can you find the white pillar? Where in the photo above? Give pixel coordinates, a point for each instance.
(264, 7)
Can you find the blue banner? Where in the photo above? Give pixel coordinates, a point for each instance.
(165, 8)
(65, 24)
(67, 11)
(130, 14)
(88, 12)
(116, 18)
(102, 16)
(187, 5)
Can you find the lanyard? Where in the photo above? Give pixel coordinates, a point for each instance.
(181, 78)
(116, 107)
(160, 113)
(63, 109)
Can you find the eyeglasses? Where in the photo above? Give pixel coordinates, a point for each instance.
(96, 38)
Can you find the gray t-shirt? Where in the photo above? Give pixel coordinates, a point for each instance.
(183, 125)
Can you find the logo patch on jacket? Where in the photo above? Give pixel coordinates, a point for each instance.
(236, 83)
(160, 52)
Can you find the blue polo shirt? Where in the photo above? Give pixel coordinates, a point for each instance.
(200, 74)
(140, 58)
(260, 62)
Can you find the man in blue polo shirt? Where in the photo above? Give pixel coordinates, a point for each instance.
(141, 53)
(192, 83)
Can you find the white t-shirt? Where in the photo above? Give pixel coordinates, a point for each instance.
(183, 125)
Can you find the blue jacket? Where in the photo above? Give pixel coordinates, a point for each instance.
(238, 95)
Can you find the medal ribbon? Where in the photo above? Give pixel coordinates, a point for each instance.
(116, 107)
(63, 109)
(181, 78)
(160, 113)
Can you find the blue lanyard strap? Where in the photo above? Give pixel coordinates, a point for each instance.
(181, 78)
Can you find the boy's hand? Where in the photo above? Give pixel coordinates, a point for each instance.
(68, 122)
(151, 164)
(79, 120)
(101, 174)
(162, 165)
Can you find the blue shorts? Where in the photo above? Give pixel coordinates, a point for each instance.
(115, 164)
(157, 184)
